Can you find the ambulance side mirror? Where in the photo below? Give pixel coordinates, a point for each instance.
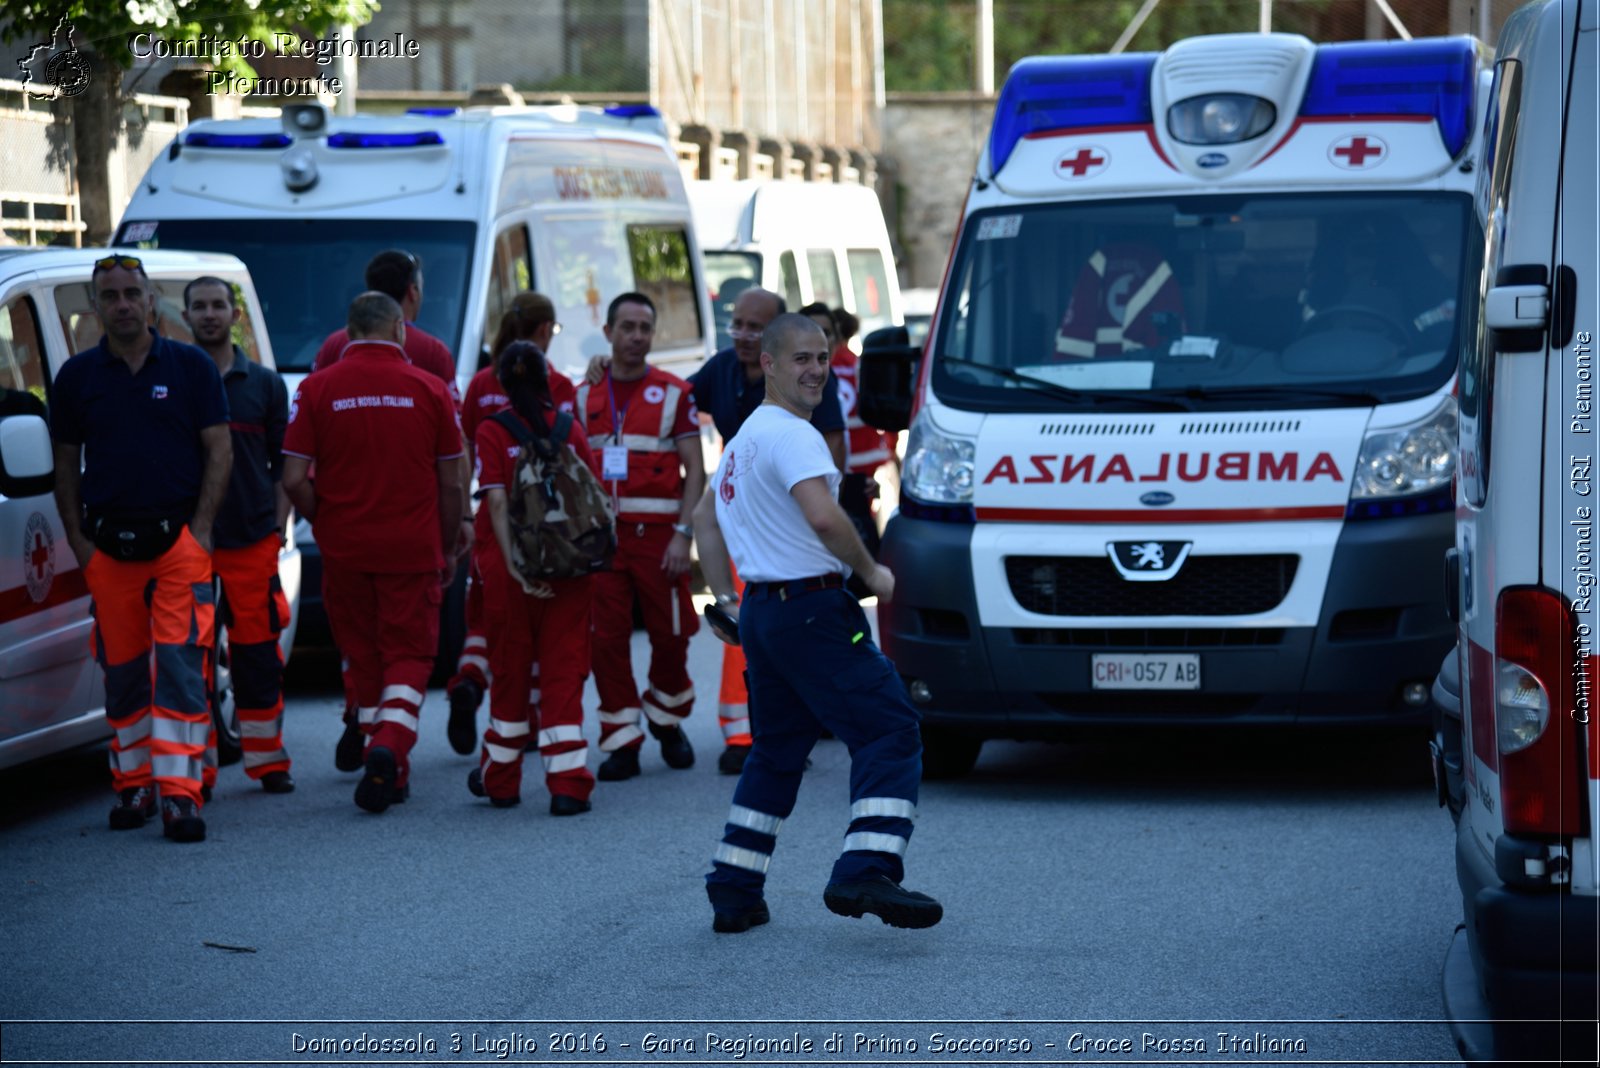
(1517, 310)
(27, 461)
(887, 376)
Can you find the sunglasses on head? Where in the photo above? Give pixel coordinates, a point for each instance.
(106, 263)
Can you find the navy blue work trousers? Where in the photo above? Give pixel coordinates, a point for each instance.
(812, 663)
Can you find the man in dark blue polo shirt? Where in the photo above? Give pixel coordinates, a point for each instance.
(249, 534)
(147, 419)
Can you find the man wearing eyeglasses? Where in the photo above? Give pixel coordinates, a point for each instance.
(148, 418)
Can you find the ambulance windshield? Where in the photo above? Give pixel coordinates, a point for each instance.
(1226, 302)
(306, 271)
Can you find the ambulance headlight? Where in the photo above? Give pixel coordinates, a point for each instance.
(938, 468)
(1412, 459)
(1220, 119)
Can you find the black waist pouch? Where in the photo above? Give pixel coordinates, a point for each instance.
(134, 539)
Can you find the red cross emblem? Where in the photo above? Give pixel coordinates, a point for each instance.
(39, 555)
(1355, 152)
(1083, 163)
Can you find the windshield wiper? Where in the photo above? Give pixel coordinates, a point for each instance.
(1361, 396)
(1056, 389)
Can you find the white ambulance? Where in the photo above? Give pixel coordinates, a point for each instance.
(1181, 442)
(1519, 750)
(578, 203)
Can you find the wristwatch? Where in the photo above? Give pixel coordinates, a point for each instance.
(685, 529)
(725, 599)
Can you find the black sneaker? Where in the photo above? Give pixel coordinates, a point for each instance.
(134, 806)
(885, 899)
(565, 805)
(475, 785)
(375, 792)
(623, 764)
(738, 921)
(675, 747)
(465, 697)
(347, 755)
(180, 820)
(277, 782)
(731, 762)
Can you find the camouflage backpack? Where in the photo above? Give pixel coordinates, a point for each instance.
(561, 523)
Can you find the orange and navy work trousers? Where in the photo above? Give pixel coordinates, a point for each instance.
(255, 611)
(733, 702)
(550, 635)
(387, 629)
(669, 620)
(152, 635)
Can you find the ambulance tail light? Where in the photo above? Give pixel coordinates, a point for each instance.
(1220, 119)
(1540, 769)
(1406, 470)
(1436, 78)
(1043, 94)
(938, 476)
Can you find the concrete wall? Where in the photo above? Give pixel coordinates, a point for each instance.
(933, 140)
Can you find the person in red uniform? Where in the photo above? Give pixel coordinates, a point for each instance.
(642, 424)
(531, 317)
(249, 534)
(398, 274)
(866, 448)
(544, 622)
(386, 508)
(148, 419)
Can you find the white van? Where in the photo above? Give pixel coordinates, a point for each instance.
(1519, 751)
(575, 202)
(805, 241)
(1180, 449)
(52, 694)
(578, 203)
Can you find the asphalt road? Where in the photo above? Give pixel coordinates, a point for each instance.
(1279, 890)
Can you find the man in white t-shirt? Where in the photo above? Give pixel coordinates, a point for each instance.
(811, 659)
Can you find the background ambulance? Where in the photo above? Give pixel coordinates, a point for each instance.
(1519, 753)
(52, 694)
(1182, 444)
(578, 203)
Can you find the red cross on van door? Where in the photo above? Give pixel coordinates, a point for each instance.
(1358, 152)
(1085, 162)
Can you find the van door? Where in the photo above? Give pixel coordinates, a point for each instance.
(46, 675)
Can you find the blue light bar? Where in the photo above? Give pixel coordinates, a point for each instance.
(1429, 503)
(1434, 77)
(201, 139)
(435, 112)
(384, 140)
(633, 111)
(1046, 93)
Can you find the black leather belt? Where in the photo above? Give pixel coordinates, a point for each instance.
(795, 587)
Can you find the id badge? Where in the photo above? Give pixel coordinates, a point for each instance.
(614, 462)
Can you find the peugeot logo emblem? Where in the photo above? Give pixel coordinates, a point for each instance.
(1148, 561)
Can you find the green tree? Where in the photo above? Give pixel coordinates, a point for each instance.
(102, 34)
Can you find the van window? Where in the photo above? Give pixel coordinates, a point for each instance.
(509, 274)
(589, 258)
(789, 281)
(1477, 355)
(662, 272)
(306, 271)
(1314, 298)
(21, 358)
(870, 279)
(825, 277)
(727, 275)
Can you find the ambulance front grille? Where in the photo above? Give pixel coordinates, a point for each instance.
(1204, 586)
(1099, 430)
(1148, 638)
(1239, 426)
